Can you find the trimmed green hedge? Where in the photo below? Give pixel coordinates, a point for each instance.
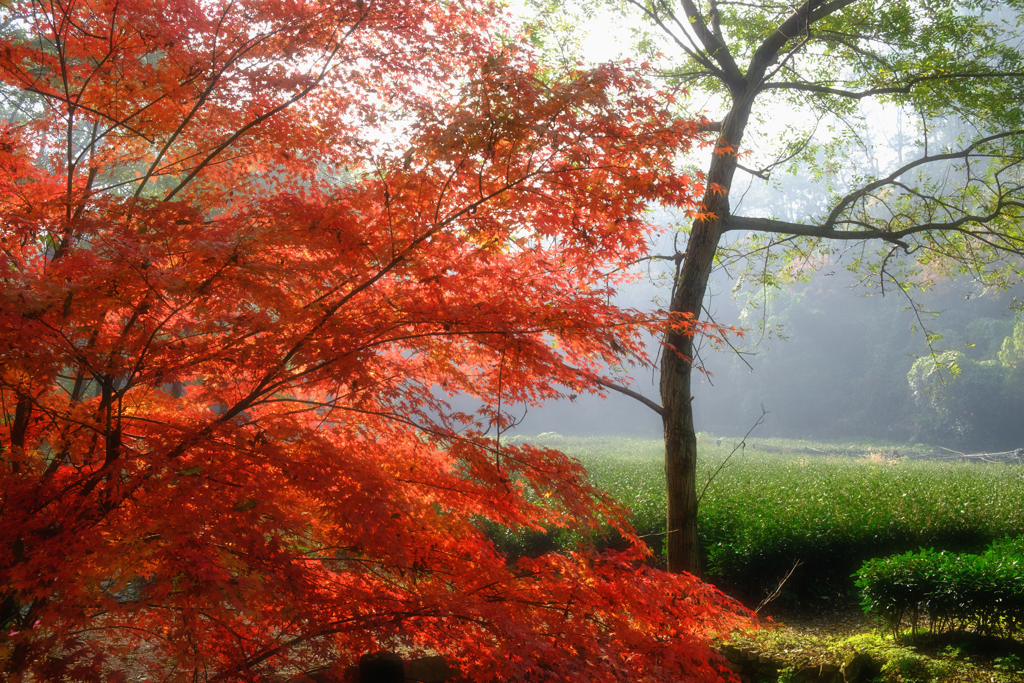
(982, 592)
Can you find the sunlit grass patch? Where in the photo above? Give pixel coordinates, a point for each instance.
(894, 661)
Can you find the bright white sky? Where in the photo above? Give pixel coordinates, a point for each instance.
(603, 37)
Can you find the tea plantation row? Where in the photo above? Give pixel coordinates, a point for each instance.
(778, 502)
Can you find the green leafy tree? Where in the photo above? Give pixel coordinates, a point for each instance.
(1011, 354)
(980, 402)
(799, 89)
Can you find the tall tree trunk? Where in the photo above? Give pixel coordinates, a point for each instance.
(691, 282)
(682, 548)
(681, 545)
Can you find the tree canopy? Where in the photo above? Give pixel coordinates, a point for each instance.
(790, 88)
(249, 250)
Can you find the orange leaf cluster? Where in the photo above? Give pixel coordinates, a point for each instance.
(250, 248)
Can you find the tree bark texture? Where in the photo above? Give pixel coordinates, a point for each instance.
(682, 546)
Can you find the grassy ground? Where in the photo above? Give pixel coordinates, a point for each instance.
(960, 658)
(828, 507)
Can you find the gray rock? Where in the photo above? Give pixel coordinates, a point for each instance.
(381, 667)
(731, 652)
(806, 674)
(859, 668)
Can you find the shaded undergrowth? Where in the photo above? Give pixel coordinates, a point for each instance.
(944, 658)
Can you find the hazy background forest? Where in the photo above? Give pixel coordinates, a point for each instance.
(831, 354)
(852, 367)
(835, 362)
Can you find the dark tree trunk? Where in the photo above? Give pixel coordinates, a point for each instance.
(681, 545)
(715, 60)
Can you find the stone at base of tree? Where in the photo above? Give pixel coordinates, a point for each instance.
(806, 674)
(324, 675)
(828, 673)
(860, 667)
(752, 666)
(384, 667)
(381, 667)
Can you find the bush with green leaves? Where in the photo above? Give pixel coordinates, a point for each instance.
(980, 592)
(963, 400)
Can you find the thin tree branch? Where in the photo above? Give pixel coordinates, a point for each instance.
(903, 89)
(632, 394)
(741, 444)
(778, 589)
(622, 390)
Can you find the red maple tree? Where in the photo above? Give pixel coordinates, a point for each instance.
(249, 248)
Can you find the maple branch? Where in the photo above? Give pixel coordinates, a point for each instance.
(266, 382)
(116, 123)
(444, 436)
(395, 261)
(248, 663)
(433, 431)
(200, 101)
(725, 338)
(213, 154)
(497, 421)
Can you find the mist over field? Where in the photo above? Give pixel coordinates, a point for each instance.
(829, 358)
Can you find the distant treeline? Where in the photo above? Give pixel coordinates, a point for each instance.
(829, 362)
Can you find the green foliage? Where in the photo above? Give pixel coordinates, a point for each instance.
(767, 512)
(1011, 354)
(964, 400)
(832, 506)
(901, 662)
(983, 593)
(891, 588)
(1010, 663)
(911, 667)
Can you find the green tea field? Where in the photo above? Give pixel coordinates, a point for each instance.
(826, 506)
